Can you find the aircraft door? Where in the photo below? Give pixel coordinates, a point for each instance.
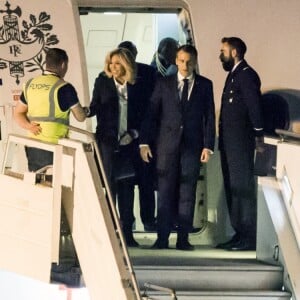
(103, 30)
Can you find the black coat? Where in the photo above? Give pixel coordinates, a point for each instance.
(240, 111)
(105, 103)
(240, 117)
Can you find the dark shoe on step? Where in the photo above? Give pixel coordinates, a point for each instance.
(160, 245)
(186, 246)
(131, 242)
(242, 245)
(228, 244)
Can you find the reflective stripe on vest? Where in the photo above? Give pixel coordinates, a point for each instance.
(51, 117)
(41, 94)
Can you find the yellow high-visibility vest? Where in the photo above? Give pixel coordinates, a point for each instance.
(43, 108)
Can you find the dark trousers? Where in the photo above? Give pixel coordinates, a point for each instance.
(38, 158)
(176, 194)
(125, 200)
(145, 179)
(240, 190)
(123, 190)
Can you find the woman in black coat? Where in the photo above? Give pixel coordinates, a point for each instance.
(116, 131)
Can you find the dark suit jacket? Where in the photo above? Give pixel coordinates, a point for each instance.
(240, 110)
(172, 127)
(105, 103)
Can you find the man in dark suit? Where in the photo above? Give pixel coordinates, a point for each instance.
(181, 119)
(240, 131)
(145, 173)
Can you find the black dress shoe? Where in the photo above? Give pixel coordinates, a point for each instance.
(131, 242)
(186, 246)
(160, 245)
(242, 245)
(235, 239)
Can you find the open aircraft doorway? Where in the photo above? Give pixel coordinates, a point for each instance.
(103, 29)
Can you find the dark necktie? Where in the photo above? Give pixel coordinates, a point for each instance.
(185, 91)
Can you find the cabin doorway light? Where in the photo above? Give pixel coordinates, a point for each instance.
(112, 13)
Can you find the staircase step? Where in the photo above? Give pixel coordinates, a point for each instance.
(220, 295)
(212, 275)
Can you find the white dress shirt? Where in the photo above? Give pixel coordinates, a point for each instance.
(180, 84)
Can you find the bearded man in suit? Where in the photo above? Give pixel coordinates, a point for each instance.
(181, 119)
(240, 133)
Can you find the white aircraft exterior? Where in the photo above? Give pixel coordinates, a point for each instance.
(88, 29)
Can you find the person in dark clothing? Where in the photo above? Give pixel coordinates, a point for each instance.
(240, 133)
(145, 173)
(164, 58)
(116, 109)
(181, 120)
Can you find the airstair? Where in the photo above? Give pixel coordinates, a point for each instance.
(30, 233)
(30, 211)
(211, 278)
(272, 272)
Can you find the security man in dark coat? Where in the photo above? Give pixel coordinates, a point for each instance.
(141, 91)
(240, 133)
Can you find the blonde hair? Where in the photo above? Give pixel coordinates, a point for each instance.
(127, 62)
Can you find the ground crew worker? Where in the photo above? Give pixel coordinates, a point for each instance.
(45, 105)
